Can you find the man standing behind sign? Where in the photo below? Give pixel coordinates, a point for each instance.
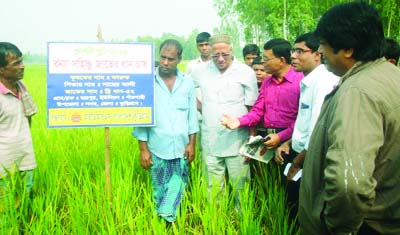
(167, 148)
(16, 110)
(203, 47)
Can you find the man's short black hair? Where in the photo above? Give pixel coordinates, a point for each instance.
(280, 48)
(310, 39)
(6, 49)
(202, 37)
(354, 25)
(391, 49)
(257, 60)
(174, 43)
(251, 49)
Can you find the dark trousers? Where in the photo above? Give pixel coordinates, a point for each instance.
(367, 230)
(292, 189)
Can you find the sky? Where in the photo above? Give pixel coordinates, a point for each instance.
(30, 24)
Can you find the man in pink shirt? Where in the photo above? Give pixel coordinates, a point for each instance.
(278, 101)
(276, 105)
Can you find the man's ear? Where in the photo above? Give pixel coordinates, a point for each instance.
(283, 60)
(348, 53)
(317, 56)
(393, 61)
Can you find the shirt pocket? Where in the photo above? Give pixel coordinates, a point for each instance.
(289, 99)
(181, 103)
(304, 106)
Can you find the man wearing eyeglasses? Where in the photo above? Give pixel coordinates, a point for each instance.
(318, 82)
(227, 86)
(277, 103)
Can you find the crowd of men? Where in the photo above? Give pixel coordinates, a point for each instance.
(329, 106)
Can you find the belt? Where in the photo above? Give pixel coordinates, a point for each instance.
(270, 130)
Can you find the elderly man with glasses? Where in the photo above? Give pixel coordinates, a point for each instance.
(227, 86)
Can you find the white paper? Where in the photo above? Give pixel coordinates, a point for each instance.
(256, 149)
(254, 139)
(298, 174)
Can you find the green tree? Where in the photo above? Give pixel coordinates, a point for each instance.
(188, 43)
(230, 24)
(190, 50)
(390, 13)
(265, 19)
(262, 20)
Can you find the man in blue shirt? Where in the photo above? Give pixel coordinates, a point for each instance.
(167, 148)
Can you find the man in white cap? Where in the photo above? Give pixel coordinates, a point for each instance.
(228, 87)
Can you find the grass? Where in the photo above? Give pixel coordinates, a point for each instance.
(69, 194)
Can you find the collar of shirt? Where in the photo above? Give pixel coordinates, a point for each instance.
(318, 73)
(358, 66)
(289, 76)
(178, 81)
(200, 61)
(4, 90)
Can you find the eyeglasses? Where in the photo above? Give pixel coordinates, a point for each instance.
(266, 59)
(299, 51)
(224, 55)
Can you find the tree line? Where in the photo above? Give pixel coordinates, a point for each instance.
(257, 21)
(260, 20)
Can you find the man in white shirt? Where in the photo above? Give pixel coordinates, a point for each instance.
(316, 84)
(228, 87)
(203, 46)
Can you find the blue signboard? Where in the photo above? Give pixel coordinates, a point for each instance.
(100, 84)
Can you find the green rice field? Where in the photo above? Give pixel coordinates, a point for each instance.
(70, 196)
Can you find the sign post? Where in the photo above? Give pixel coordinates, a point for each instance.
(100, 85)
(106, 142)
